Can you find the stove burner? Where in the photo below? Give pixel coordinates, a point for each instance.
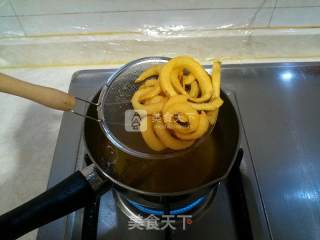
(140, 213)
(178, 211)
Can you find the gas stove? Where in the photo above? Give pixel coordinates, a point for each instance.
(236, 209)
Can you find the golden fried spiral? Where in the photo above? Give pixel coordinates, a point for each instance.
(180, 101)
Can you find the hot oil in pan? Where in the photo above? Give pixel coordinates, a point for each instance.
(197, 167)
(170, 175)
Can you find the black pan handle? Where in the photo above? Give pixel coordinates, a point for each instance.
(71, 194)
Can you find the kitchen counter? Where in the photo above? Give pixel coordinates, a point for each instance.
(33, 36)
(29, 132)
(28, 136)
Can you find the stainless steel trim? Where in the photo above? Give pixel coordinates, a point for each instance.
(86, 101)
(92, 175)
(85, 116)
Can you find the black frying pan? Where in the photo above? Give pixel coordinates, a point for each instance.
(144, 181)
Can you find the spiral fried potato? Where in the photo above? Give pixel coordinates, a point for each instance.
(153, 71)
(199, 132)
(154, 89)
(193, 67)
(149, 135)
(181, 118)
(188, 79)
(167, 139)
(194, 89)
(137, 104)
(180, 101)
(216, 82)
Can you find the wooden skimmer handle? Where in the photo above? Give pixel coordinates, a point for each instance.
(49, 97)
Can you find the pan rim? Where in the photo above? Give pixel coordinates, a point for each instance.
(157, 194)
(178, 193)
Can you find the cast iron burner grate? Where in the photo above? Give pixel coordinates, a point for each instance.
(135, 210)
(139, 213)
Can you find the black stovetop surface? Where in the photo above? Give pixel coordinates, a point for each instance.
(226, 218)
